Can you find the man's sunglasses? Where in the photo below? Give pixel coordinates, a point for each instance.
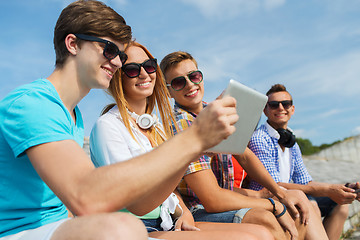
(275, 104)
(179, 83)
(133, 70)
(110, 50)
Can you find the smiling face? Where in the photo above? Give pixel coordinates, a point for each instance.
(94, 70)
(279, 117)
(190, 97)
(142, 86)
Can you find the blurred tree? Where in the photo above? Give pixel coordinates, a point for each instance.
(306, 146)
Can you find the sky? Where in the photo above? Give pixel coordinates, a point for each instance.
(311, 46)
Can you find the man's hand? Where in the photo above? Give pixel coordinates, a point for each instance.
(215, 122)
(286, 221)
(265, 193)
(341, 194)
(355, 186)
(295, 202)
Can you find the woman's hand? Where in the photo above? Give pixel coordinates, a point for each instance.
(186, 222)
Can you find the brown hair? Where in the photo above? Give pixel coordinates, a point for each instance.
(159, 100)
(277, 88)
(172, 59)
(88, 17)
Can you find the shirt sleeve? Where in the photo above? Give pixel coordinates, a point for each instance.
(301, 174)
(201, 164)
(263, 148)
(204, 161)
(34, 118)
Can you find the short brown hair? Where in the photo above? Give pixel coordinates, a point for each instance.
(172, 59)
(277, 88)
(88, 17)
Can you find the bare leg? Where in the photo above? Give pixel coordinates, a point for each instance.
(109, 226)
(302, 229)
(315, 229)
(266, 219)
(316, 207)
(334, 223)
(259, 231)
(214, 231)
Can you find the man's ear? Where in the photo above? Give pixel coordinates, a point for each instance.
(169, 91)
(292, 110)
(71, 44)
(265, 110)
(266, 105)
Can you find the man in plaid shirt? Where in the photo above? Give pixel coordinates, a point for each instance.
(275, 145)
(207, 186)
(220, 164)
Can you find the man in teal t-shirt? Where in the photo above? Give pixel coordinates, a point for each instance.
(43, 168)
(31, 115)
(42, 164)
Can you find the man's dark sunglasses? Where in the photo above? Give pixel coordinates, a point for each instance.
(179, 83)
(133, 70)
(275, 104)
(110, 50)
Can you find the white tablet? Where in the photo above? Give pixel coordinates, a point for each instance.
(249, 106)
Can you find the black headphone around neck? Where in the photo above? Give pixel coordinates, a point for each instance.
(145, 120)
(287, 138)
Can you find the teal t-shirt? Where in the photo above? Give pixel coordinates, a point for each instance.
(30, 115)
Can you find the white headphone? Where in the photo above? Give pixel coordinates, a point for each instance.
(145, 120)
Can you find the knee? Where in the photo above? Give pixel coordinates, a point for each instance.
(342, 211)
(263, 233)
(121, 226)
(261, 217)
(316, 208)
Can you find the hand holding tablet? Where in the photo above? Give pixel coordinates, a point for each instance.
(249, 106)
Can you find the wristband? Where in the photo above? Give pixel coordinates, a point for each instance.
(273, 203)
(282, 213)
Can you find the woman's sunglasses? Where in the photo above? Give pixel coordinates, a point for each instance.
(133, 69)
(275, 104)
(110, 50)
(179, 83)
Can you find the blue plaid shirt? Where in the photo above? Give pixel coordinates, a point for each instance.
(265, 148)
(220, 164)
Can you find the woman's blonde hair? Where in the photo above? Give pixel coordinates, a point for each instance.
(158, 101)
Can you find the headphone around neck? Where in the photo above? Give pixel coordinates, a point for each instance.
(144, 121)
(287, 138)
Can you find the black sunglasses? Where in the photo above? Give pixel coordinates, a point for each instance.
(275, 104)
(110, 50)
(179, 83)
(133, 69)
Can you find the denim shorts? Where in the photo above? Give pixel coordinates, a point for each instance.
(152, 224)
(326, 205)
(236, 216)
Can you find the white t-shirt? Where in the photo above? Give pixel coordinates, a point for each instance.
(284, 156)
(111, 142)
(119, 145)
